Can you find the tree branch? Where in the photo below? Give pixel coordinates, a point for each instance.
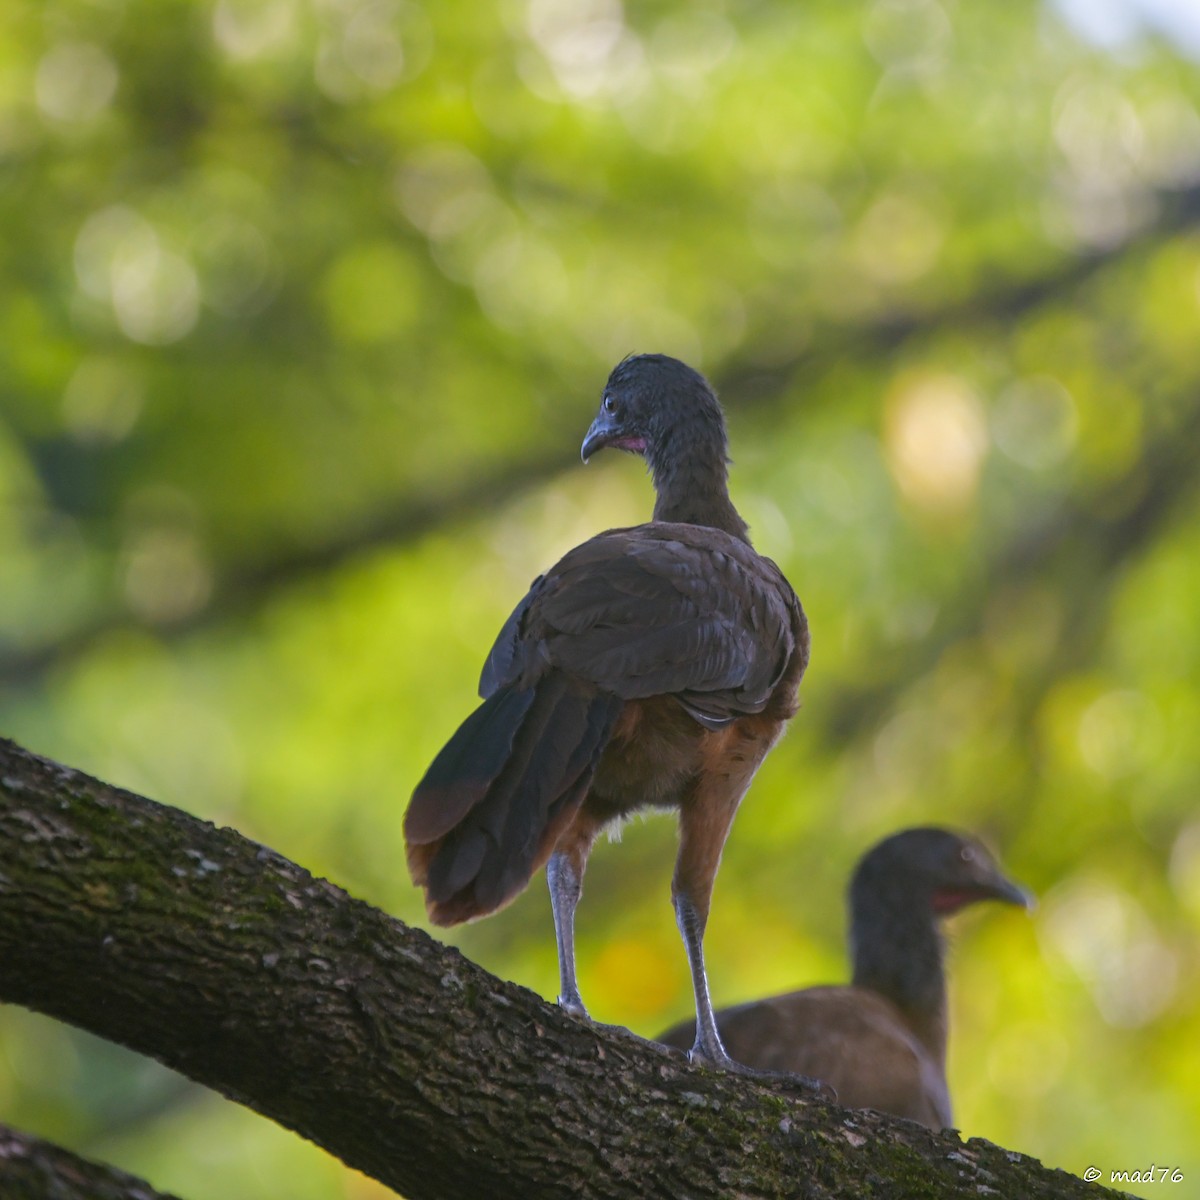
(33, 1169)
(238, 968)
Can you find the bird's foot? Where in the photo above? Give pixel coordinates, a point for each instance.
(809, 1088)
(804, 1086)
(621, 1030)
(576, 1009)
(573, 1005)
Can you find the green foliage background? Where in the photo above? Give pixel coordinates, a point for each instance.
(304, 309)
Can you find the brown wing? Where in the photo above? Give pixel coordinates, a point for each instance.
(658, 609)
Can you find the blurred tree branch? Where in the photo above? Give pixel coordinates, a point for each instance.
(744, 383)
(1000, 300)
(238, 968)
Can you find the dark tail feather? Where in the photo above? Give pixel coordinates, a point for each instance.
(459, 777)
(500, 793)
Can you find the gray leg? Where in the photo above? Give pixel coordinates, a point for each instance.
(708, 1047)
(566, 886)
(703, 827)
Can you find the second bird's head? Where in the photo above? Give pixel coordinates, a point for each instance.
(650, 402)
(935, 870)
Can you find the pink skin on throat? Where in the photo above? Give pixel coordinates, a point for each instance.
(949, 900)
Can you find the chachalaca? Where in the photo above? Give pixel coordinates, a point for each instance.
(880, 1042)
(651, 667)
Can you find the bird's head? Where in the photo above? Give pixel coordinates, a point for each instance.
(650, 398)
(942, 868)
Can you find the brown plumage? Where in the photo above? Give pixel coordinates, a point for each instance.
(880, 1041)
(652, 667)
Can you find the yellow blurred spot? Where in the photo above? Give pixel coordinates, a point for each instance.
(634, 977)
(935, 441)
(1026, 1060)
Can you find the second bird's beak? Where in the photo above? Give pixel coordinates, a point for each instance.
(1001, 888)
(604, 429)
(986, 883)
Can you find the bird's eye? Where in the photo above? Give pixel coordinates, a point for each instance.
(610, 405)
(967, 854)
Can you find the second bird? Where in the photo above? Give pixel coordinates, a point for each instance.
(880, 1041)
(652, 667)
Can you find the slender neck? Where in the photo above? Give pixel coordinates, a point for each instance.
(898, 952)
(691, 480)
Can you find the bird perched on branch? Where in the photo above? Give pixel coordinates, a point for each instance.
(881, 1041)
(652, 667)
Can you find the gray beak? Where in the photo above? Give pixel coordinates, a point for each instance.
(1012, 893)
(604, 429)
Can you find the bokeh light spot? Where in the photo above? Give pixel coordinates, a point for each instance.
(898, 239)
(1118, 732)
(1106, 937)
(935, 441)
(75, 82)
(153, 292)
(251, 29)
(1034, 422)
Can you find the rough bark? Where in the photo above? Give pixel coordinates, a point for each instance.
(32, 1169)
(236, 967)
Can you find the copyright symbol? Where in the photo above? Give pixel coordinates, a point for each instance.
(1092, 1174)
